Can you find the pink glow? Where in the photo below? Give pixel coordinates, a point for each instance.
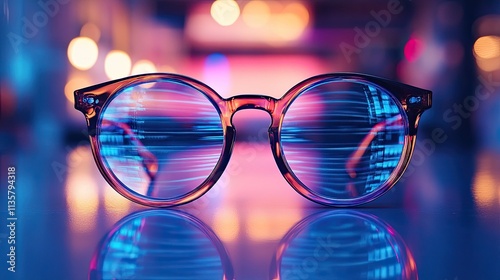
(413, 49)
(271, 75)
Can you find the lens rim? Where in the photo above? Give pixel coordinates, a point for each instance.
(400, 93)
(103, 94)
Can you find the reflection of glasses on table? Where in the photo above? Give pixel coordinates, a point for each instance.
(343, 244)
(339, 139)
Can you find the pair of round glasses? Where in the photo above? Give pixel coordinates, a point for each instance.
(339, 139)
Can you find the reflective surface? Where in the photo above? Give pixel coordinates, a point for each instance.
(343, 245)
(157, 244)
(161, 139)
(423, 227)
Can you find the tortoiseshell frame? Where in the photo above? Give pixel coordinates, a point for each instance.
(91, 101)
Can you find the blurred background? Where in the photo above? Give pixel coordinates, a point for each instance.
(445, 209)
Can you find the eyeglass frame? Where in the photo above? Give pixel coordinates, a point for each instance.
(91, 101)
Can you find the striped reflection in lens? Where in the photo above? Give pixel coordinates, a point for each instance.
(343, 245)
(160, 139)
(160, 245)
(343, 138)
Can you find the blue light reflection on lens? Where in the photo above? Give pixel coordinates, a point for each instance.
(160, 244)
(340, 124)
(162, 125)
(343, 245)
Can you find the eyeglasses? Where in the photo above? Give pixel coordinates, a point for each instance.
(339, 139)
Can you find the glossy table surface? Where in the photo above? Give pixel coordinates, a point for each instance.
(440, 222)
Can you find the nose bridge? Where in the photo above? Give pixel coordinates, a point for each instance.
(248, 101)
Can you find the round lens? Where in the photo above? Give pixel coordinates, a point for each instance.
(343, 138)
(160, 139)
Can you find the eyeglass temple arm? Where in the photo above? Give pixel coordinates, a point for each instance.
(356, 156)
(149, 160)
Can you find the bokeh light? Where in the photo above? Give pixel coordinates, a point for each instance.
(487, 47)
(263, 226)
(166, 69)
(225, 12)
(217, 73)
(82, 53)
(143, 66)
(287, 26)
(226, 224)
(82, 193)
(256, 13)
(91, 31)
(488, 65)
(116, 205)
(117, 64)
(485, 183)
(299, 10)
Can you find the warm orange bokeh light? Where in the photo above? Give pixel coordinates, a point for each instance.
(487, 53)
(266, 226)
(91, 31)
(291, 22)
(82, 53)
(82, 193)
